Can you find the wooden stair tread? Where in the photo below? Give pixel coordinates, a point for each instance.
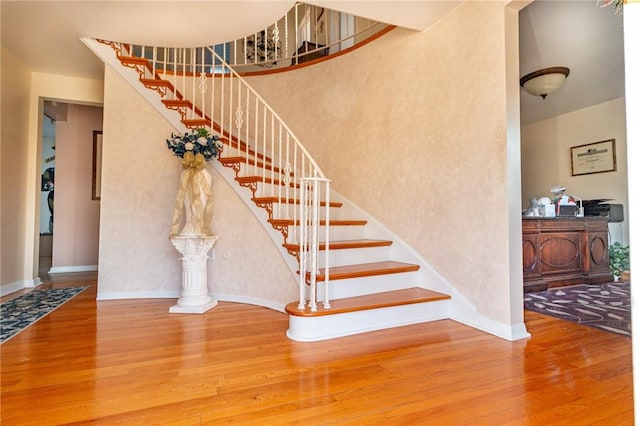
(345, 244)
(367, 270)
(260, 164)
(373, 301)
(133, 60)
(264, 200)
(346, 222)
(266, 180)
(176, 102)
(243, 159)
(155, 82)
(195, 122)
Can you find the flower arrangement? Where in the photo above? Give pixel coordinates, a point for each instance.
(197, 142)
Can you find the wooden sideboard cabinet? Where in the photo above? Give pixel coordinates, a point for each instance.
(560, 251)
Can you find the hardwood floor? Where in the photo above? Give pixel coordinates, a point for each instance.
(130, 362)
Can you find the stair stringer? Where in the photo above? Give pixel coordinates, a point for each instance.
(108, 56)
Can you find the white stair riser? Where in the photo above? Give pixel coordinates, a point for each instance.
(352, 232)
(354, 256)
(251, 170)
(288, 211)
(324, 327)
(271, 190)
(352, 287)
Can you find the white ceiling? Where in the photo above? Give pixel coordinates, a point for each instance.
(581, 36)
(577, 34)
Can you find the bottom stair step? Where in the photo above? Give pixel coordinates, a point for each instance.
(362, 314)
(371, 301)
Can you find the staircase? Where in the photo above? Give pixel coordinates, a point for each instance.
(367, 284)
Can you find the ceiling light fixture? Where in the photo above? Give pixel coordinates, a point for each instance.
(544, 81)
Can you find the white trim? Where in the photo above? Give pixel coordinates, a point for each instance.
(504, 331)
(324, 327)
(121, 295)
(249, 301)
(12, 288)
(33, 283)
(69, 269)
(234, 298)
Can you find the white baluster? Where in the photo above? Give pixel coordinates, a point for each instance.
(327, 304)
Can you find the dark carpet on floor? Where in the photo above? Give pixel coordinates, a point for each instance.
(605, 306)
(19, 313)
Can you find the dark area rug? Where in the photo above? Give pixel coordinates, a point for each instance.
(19, 313)
(605, 306)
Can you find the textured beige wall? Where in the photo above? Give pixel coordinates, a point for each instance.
(140, 178)
(76, 216)
(546, 157)
(13, 153)
(412, 128)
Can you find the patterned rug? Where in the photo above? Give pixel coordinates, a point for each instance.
(605, 306)
(19, 313)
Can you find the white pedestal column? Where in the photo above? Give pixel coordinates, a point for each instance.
(195, 297)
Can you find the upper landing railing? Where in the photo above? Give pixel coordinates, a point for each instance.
(305, 33)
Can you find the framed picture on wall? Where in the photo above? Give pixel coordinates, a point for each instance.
(96, 175)
(597, 157)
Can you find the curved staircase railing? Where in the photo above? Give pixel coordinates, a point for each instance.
(305, 33)
(258, 145)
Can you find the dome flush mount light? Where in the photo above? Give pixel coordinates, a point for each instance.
(543, 82)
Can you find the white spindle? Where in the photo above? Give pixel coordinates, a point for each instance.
(230, 128)
(295, 11)
(213, 91)
(280, 164)
(164, 62)
(296, 234)
(314, 24)
(264, 139)
(203, 84)
(255, 138)
(192, 72)
(184, 72)
(327, 304)
(222, 106)
(313, 268)
(287, 169)
(302, 251)
(247, 137)
(286, 34)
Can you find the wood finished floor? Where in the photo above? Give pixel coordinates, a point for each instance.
(130, 362)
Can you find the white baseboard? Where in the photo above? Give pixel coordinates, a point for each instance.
(70, 269)
(12, 288)
(122, 295)
(505, 331)
(249, 301)
(19, 285)
(175, 295)
(33, 283)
